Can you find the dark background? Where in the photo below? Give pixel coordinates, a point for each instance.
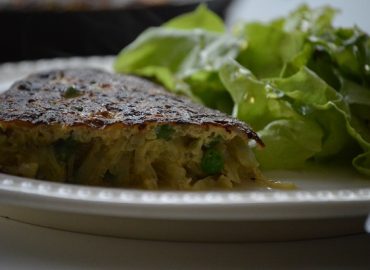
(27, 35)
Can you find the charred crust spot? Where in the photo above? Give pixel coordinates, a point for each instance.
(44, 75)
(79, 108)
(222, 121)
(24, 86)
(96, 122)
(105, 85)
(105, 114)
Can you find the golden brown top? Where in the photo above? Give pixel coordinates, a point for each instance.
(97, 99)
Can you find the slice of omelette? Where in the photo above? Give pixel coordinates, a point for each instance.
(90, 127)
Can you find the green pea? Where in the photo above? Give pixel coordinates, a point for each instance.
(212, 161)
(164, 132)
(71, 92)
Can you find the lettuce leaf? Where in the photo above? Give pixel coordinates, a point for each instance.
(301, 83)
(321, 72)
(269, 48)
(200, 18)
(184, 55)
(292, 123)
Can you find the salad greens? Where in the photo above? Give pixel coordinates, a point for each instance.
(185, 58)
(302, 83)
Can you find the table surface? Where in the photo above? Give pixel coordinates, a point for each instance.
(25, 246)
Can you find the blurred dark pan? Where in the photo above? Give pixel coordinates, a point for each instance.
(33, 33)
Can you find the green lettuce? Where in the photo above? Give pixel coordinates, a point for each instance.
(300, 82)
(299, 118)
(184, 55)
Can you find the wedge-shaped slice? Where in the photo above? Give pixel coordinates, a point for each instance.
(96, 128)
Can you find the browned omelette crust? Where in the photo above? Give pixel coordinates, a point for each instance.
(100, 99)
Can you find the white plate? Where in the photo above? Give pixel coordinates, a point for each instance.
(329, 201)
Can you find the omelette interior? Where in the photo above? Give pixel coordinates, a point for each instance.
(86, 126)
